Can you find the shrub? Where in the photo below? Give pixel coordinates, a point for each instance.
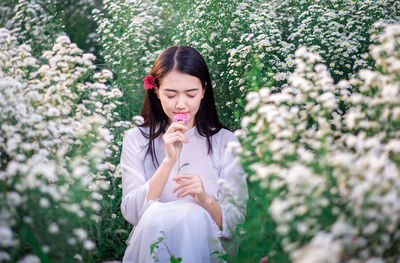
(330, 176)
(53, 146)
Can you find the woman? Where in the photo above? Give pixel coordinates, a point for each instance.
(191, 210)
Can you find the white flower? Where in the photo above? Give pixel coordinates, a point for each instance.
(30, 259)
(53, 228)
(80, 233)
(89, 244)
(370, 228)
(63, 39)
(277, 208)
(4, 256)
(375, 260)
(78, 257)
(14, 198)
(302, 228)
(328, 100)
(96, 196)
(44, 202)
(322, 248)
(341, 227)
(283, 229)
(138, 120)
(46, 249)
(367, 75)
(234, 147)
(6, 236)
(253, 100)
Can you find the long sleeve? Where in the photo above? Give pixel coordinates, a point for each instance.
(233, 193)
(134, 185)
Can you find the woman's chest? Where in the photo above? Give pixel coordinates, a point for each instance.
(195, 160)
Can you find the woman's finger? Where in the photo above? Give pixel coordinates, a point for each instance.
(183, 184)
(185, 176)
(173, 138)
(177, 126)
(175, 133)
(189, 190)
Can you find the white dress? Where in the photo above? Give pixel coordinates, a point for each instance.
(188, 229)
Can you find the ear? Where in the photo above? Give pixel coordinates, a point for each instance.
(203, 91)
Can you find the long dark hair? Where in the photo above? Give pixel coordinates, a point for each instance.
(188, 60)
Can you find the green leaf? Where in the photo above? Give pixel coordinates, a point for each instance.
(152, 246)
(183, 165)
(172, 259)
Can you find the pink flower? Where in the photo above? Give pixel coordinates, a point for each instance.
(184, 118)
(264, 259)
(181, 117)
(149, 82)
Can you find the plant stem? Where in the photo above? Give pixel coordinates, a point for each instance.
(179, 158)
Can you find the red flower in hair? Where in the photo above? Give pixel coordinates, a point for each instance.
(149, 82)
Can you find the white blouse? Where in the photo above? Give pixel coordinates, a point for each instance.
(221, 173)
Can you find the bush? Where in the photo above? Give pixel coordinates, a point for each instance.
(329, 177)
(246, 44)
(53, 147)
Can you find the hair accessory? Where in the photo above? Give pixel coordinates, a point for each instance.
(149, 82)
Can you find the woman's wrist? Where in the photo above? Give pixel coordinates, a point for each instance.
(213, 207)
(205, 200)
(168, 162)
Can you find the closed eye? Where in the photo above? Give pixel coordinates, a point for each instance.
(190, 96)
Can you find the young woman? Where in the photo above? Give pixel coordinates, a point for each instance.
(202, 204)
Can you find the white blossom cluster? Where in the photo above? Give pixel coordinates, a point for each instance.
(329, 153)
(208, 26)
(286, 133)
(131, 36)
(336, 30)
(36, 22)
(53, 145)
(32, 25)
(243, 40)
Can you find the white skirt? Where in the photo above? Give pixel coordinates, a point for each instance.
(188, 230)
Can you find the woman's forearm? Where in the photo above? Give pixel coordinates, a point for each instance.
(159, 179)
(213, 208)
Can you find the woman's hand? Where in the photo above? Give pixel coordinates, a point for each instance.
(172, 137)
(191, 184)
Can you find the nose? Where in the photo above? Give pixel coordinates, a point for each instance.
(180, 103)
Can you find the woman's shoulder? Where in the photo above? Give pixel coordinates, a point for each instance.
(137, 131)
(224, 136)
(136, 135)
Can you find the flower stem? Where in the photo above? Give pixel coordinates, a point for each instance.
(179, 158)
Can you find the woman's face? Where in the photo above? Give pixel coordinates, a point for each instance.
(180, 93)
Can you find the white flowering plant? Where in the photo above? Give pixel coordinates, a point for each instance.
(53, 147)
(132, 34)
(38, 22)
(327, 157)
(237, 39)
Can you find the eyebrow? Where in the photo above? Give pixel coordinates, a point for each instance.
(188, 90)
